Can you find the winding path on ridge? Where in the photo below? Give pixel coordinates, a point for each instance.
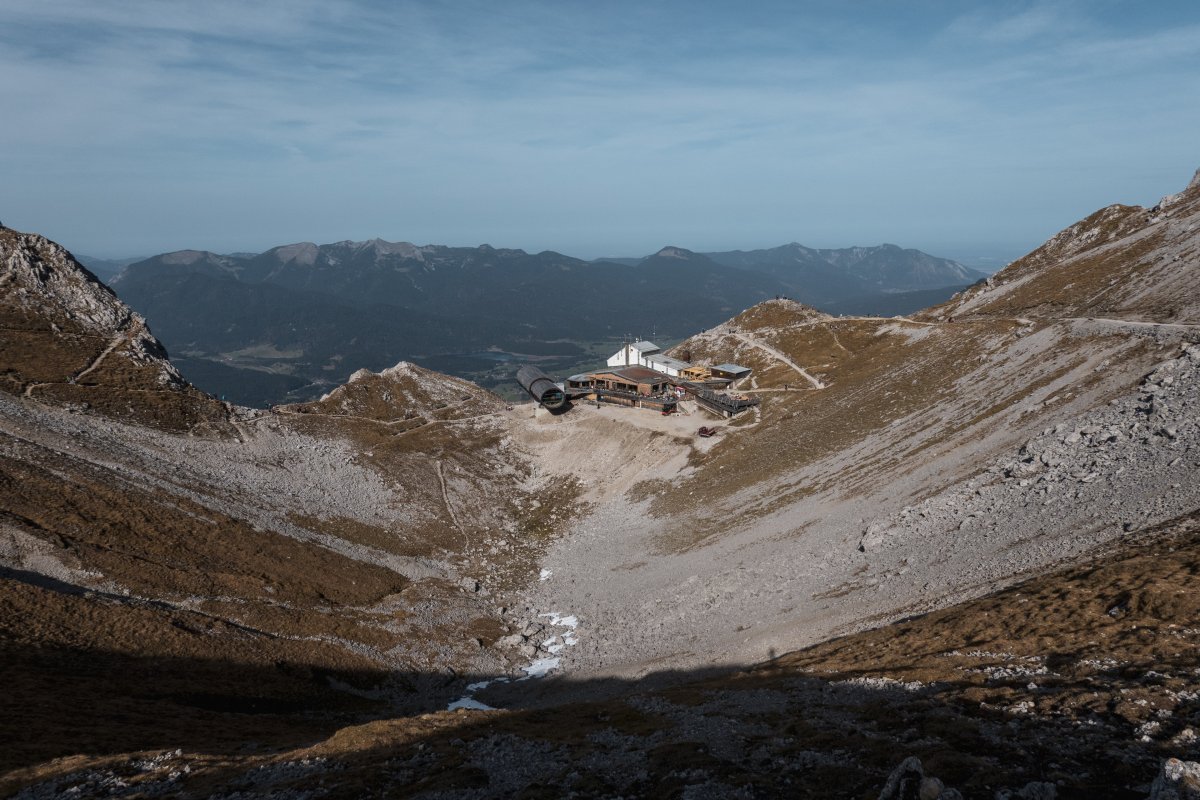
(121, 338)
(780, 356)
(818, 384)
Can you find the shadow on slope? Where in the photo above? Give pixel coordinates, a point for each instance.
(1085, 678)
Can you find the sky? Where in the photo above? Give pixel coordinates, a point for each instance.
(974, 131)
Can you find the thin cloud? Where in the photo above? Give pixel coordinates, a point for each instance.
(1022, 26)
(399, 119)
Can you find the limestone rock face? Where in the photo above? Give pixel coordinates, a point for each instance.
(39, 274)
(70, 340)
(1177, 780)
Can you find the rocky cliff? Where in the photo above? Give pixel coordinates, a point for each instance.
(69, 340)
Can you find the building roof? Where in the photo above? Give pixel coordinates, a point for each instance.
(645, 347)
(734, 369)
(635, 374)
(667, 361)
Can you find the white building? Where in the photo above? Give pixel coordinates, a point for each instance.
(633, 355)
(647, 354)
(666, 364)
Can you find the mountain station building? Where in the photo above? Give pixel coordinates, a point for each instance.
(633, 354)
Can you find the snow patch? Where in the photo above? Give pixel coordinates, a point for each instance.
(468, 700)
(470, 704)
(538, 668)
(541, 667)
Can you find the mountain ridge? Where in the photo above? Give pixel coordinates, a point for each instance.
(1128, 262)
(968, 537)
(449, 302)
(371, 304)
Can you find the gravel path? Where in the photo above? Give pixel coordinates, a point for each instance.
(816, 384)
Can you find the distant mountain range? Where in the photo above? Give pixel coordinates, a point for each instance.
(821, 277)
(296, 320)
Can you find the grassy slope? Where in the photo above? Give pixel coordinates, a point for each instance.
(1056, 679)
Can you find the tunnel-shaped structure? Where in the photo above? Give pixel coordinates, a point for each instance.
(541, 388)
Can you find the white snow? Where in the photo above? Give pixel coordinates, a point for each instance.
(544, 575)
(566, 622)
(569, 639)
(469, 703)
(541, 667)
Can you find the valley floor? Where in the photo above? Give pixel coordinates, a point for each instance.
(832, 563)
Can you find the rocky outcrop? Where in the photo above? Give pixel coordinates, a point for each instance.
(69, 339)
(909, 782)
(1134, 457)
(1177, 780)
(39, 275)
(404, 391)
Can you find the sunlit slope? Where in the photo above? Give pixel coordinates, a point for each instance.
(461, 490)
(1123, 262)
(894, 465)
(868, 400)
(898, 398)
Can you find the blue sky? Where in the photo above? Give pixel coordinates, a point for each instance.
(611, 128)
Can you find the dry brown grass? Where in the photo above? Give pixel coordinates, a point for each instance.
(1048, 680)
(54, 343)
(1091, 284)
(898, 394)
(1111, 639)
(406, 393)
(174, 547)
(874, 379)
(491, 505)
(93, 675)
(1123, 262)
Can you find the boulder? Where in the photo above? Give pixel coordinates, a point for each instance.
(909, 782)
(1177, 780)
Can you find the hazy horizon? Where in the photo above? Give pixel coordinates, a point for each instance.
(146, 127)
(984, 257)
